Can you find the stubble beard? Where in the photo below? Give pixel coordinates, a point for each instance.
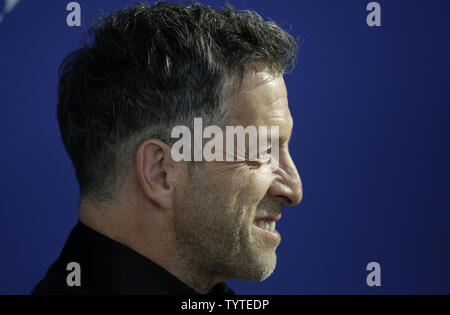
(217, 237)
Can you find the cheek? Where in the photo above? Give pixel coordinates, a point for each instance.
(264, 175)
(258, 183)
(242, 185)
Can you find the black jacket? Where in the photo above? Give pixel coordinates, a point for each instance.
(108, 267)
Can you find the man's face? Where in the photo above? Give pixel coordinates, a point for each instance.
(225, 220)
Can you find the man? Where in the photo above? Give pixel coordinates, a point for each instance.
(149, 224)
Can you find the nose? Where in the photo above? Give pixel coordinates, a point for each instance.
(287, 185)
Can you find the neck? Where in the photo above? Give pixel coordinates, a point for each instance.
(152, 237)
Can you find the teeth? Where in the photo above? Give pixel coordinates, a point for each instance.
(266, 225)
(272, 226)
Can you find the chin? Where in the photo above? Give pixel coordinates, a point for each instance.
(269, 266)
(259, 269)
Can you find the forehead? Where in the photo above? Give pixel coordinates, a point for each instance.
(262, 100)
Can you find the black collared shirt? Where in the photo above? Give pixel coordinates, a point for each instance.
(108, 267)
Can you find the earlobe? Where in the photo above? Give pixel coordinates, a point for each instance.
(151, 171)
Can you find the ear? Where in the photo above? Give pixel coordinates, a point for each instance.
(152, 161)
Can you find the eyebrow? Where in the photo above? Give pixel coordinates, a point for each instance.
(287, 140)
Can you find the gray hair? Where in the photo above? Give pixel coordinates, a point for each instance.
(144, 69)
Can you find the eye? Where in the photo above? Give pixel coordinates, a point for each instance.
(264, 159)
(260, 161)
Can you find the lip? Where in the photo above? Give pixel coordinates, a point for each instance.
(269, 218)
(274, 237)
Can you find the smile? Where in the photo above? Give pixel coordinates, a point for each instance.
(266, 226)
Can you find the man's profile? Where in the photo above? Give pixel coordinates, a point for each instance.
(149, 224)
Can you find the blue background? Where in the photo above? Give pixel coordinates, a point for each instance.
(371, 142)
